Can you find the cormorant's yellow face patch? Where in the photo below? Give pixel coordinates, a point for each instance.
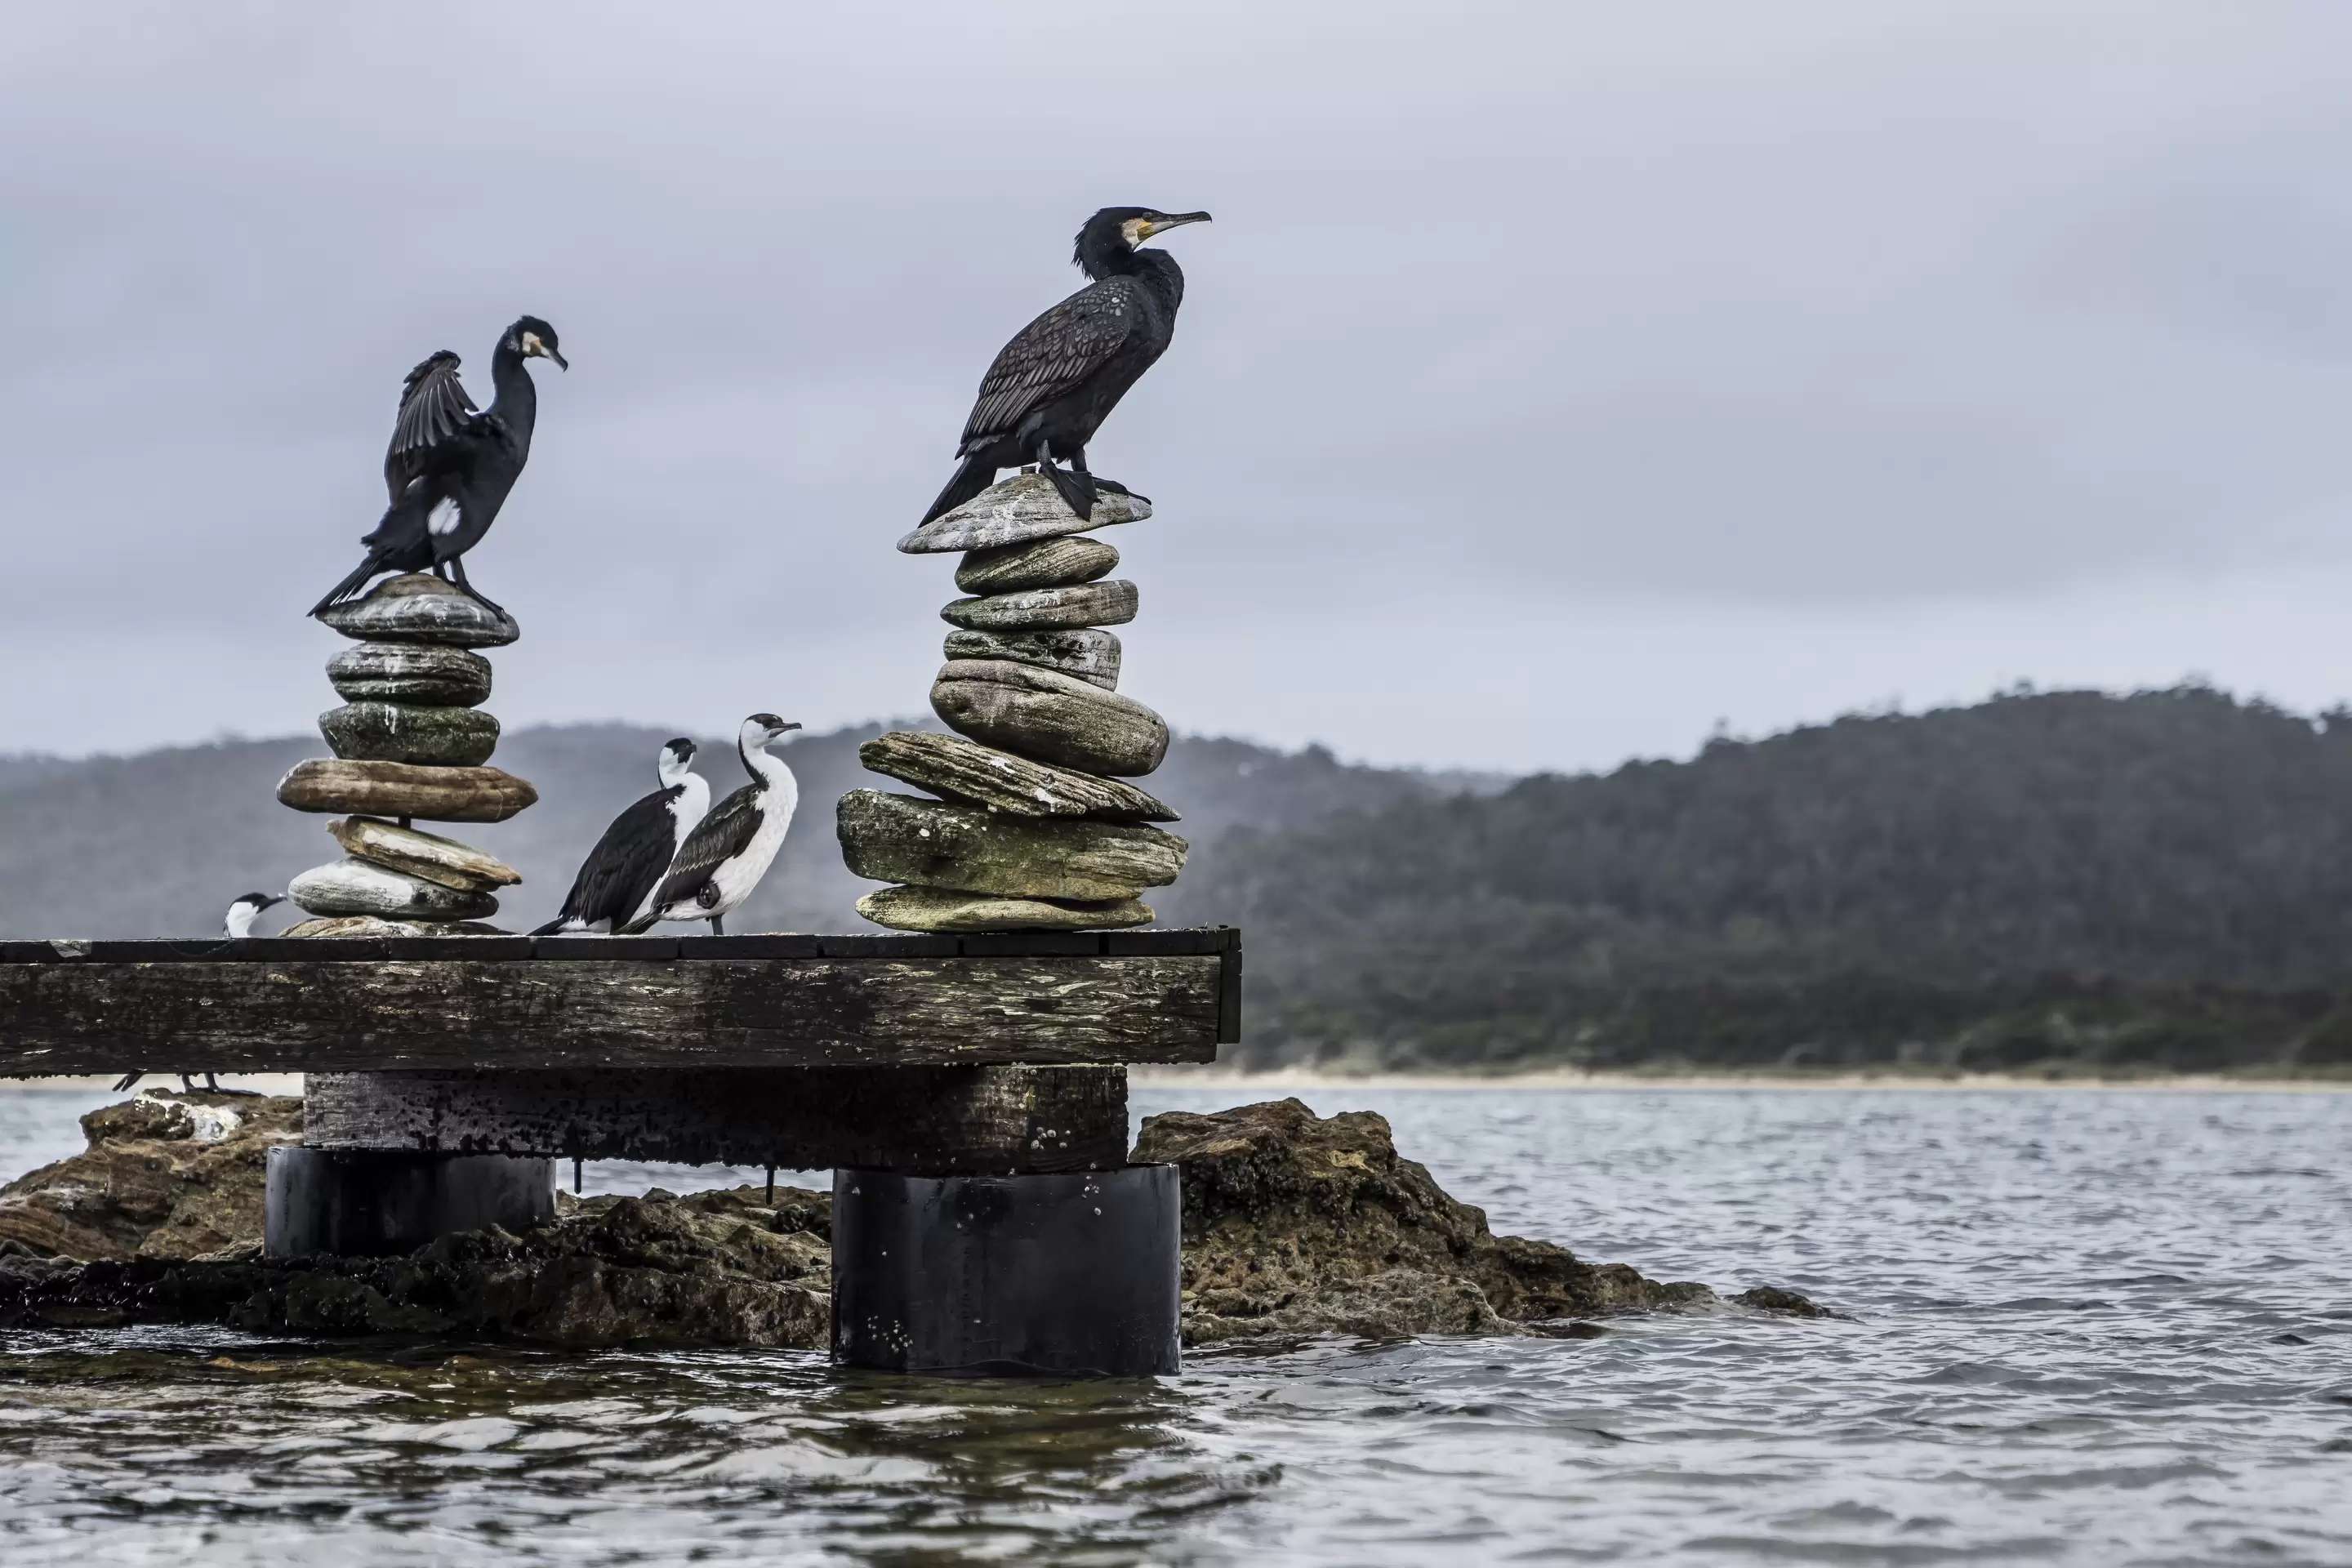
(531, 346)
(1138, 230)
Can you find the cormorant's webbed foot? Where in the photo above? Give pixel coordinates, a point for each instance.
(1072, 484)
(471, 592)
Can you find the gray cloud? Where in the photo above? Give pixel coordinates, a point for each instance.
(1695, 322)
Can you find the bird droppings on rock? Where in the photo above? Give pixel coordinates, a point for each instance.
(1295, 1227)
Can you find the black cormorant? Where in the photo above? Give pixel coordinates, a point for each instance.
(237, 926)
(1052, 386)
(450, 468)
(730, 850)
(617, 881)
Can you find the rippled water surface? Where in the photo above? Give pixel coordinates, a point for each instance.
(2094, 1327)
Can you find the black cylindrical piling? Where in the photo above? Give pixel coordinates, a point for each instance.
(1043, 1275)
(378, 1202)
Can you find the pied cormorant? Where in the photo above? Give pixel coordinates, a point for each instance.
(617, 882)
(237, 926)
(1052, 386)
(728, 853)
(448, 469)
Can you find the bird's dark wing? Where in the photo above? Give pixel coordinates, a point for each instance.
(433, 408)
(625, 864)
(1054, 355)
(717, 837)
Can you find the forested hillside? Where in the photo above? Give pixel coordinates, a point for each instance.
(2163, 878)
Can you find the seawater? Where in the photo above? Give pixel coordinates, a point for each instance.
(2091, 1327)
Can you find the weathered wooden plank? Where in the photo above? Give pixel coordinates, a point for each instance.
(1158, 943)
(930, 1120)
(396, 1015)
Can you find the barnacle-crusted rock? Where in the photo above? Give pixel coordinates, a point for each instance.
(1298, 1224)
(165, 1176)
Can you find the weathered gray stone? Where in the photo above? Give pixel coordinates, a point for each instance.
(410, 673)
(1045, 609)
(1041, 564)
(351, 886)
(404, 732)
(1052, 717)
(1091, 655)
(1014, 511)
(931, 843)
(404, 789)
(947, 910)
(965, 770)
(425, 855)
(422, 608)
(369, 925)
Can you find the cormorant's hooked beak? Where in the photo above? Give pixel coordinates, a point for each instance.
(1163, 224)
(268, 900)
(560, 362)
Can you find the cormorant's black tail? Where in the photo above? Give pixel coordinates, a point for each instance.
(350, 585)
(969, 480)
(551, 927)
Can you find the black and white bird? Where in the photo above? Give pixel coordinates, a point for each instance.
(730, 850)
(617, 882)
(450, 468)
(237, 926)
(1052, 386)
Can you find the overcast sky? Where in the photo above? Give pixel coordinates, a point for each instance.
(1555, 382)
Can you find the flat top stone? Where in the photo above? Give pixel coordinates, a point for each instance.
(1015, 510)
(421, 607)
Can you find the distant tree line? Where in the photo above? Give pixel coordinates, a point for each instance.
(2161, 879)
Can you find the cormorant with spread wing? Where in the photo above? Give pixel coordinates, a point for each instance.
(1053, 385)
(730, 850)
(617, 882)
(449, 467)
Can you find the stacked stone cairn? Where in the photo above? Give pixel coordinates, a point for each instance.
(410, 742)
(1032, 827)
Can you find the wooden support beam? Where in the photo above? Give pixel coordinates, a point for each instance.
(930, 1120)
(566, 1004)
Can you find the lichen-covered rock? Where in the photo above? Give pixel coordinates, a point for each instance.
(934, 844)
(1090, 654)
(369, 925)
(422, 608)
(410, 673)
(714, 1268)
(405, 789)
(165, 1176)
(965, 770)
(1014, 511)
(1046, 609)
(1045, 563)
(1298, 1224)
(1052, 717)
(947, 910)
(425, 855)
(376, 732)
(350, 886)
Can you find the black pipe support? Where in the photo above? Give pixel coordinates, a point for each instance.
(1062, 1275)
(376, 1203)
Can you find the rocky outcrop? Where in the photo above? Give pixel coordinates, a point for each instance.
(165, 1176)
(713, 1268)
(1295, 1226)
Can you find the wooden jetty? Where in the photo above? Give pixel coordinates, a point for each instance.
(964, 1069)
